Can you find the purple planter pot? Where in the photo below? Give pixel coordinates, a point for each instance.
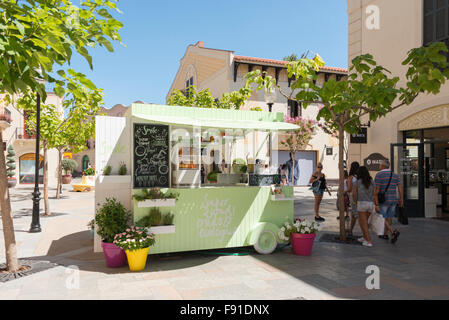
(115, 257)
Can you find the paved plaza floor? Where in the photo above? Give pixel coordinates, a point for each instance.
(415, 268)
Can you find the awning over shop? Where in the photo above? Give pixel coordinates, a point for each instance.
(265, 122)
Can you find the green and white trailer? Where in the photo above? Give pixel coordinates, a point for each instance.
(148, 141)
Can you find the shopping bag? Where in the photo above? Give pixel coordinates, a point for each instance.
(377, 223)
(402, 215)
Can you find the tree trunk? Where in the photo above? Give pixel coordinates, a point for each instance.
(46, 202)
(12, 262)
(341, 182)
(293, 171)
(59, 173)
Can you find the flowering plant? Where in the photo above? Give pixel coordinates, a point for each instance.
(302, 227)
(277, 190)
(134, 238)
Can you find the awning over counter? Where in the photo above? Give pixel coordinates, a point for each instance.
(218, 123)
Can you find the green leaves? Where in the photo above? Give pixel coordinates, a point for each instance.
(36, 34)
(204, 99)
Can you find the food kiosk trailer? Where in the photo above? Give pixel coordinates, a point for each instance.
(191, 152)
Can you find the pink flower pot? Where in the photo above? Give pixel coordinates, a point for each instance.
(115, 257)
(302, 243)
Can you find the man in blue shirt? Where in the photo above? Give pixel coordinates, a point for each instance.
(295, 169)
(388, 183)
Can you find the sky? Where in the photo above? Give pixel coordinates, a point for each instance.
(156, 35)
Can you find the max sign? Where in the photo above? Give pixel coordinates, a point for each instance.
(373, 161)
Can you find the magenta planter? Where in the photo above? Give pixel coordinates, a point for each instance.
(115, 257)
(302, 243)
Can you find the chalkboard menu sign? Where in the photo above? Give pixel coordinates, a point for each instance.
(151, 156)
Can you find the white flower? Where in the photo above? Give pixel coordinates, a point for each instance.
(307, 229)
(283, 229)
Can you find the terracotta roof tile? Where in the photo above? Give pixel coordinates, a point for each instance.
(282, 63)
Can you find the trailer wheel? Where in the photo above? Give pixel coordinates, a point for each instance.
(266, 242)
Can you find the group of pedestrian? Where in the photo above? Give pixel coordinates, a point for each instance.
(286, 170)
(368, 196)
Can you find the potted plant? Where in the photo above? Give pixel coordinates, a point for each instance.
(157, 222)
(136, 242)
(11, 167)
(301, 234)
(107, 170)
(68, 165)
(122, 170)
(237, 165)
(155, 197)
(89, 175)
(277, 194)
(212, 176)
(112, 218)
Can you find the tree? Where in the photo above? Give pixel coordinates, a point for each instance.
(66, 129)
(292, 57)
(11, 163)
(368, 92)
(204, 99)
(34, 36)
(300, 138)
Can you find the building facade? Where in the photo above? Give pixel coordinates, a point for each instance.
(222, 71)
(16, 133)
(86, 157)
(414, 137)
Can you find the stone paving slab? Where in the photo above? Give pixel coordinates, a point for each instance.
(415, 268)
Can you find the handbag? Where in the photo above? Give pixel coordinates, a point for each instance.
(402, 215)
(381, 198)
(316, 186)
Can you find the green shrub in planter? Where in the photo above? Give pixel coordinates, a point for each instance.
(212, 176)
(167, 219)
(10, 162)
(69, 165)
(154, 218)
(89, 172)
(122, 170)
(107, 170)
(111, 218)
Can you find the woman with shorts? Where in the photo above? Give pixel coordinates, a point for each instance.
(351, 181)
(318, 178)
(363, 195)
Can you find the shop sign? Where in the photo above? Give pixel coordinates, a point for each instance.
(373, 160)
(68, 155)
(360, 137)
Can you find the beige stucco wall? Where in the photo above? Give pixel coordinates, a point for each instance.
(208, 67)
(214, 69)
(400, 30)
(24, 146)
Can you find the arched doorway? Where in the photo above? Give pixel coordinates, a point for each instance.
(27, 167)
(86, 162)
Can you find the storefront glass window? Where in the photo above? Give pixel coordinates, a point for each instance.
(27, 167)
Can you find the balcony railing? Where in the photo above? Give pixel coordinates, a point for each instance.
(5, 115)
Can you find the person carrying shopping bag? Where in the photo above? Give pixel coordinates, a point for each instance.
(363, 196)
(388, 185)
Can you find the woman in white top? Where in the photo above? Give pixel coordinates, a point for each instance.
(351, 181)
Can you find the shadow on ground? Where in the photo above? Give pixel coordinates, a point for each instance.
(77, 249)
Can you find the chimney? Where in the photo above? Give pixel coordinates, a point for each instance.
(200, 44)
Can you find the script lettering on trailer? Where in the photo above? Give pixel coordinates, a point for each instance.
(151, 156)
